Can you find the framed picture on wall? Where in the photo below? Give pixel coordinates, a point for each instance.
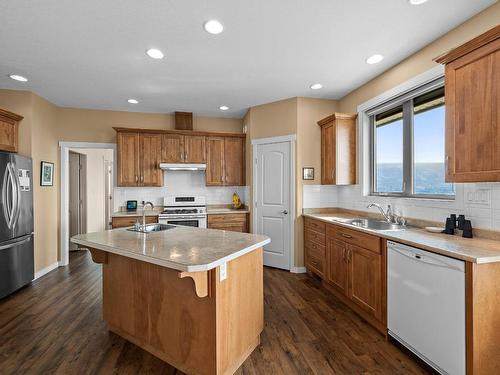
(308, 173)
(47, 174)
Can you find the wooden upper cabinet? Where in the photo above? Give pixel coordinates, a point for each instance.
(234, 161)
(194, 149)
(338, 149)
(9, 123)
(214, 175)
(472, 81)
(150, 157)
(172, 148)
(128, 158)
(178, 148)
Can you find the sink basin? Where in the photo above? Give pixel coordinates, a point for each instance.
(148, 228)
(373, 224)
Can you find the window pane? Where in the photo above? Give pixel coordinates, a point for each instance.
(389, 151)
(428, 145)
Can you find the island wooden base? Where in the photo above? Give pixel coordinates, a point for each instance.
(160, 310)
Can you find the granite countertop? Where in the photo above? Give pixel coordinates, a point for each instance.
(226, 210)
(149, 212)
(181, 248)
(475, 250)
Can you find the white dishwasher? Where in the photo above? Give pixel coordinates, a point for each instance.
(426, 306)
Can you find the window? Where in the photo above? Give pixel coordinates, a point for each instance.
(408, 155)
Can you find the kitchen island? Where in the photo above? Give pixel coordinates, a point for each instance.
(192, 297)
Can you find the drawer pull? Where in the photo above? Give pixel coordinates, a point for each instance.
(345, 235)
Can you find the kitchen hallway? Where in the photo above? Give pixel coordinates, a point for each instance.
(55, 326)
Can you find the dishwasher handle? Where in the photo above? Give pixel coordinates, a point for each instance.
(419, 256)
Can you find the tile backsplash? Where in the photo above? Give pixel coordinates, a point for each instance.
(479, 202)
(178, 183)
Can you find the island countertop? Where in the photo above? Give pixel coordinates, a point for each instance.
(181, 248)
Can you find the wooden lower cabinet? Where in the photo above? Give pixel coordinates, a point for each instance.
(337, 270)
(128, 221)
(354, 268)
(365, 280)
(237, 222)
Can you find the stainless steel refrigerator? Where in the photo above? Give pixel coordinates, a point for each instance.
(16, 222)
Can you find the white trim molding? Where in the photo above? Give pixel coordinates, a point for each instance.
(64, 211)
(298, 270)
(46, 270)
(290, 139)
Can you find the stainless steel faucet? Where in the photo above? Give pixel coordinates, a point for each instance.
(144, 213)
(388, 216)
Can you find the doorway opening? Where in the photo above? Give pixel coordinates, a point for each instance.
(87, 183)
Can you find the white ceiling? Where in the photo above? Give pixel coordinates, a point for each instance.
(90, 53)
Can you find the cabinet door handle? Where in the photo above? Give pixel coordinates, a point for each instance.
(333, 173)
(345, 235)
(185, 155)
(343, 255)
(136, 178)
(221, 178)
(142, 178)
(225, 178)
(447, 165)
(182, 155)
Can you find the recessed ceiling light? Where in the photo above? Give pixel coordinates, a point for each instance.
(417, 2)
(213, 27)
(316, 86)
(374, 59)
(223, 107)
(154, 53)
(133, 101)
(17, 77)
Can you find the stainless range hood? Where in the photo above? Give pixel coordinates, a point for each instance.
(182, 167)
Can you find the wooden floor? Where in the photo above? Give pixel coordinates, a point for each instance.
(54, 326)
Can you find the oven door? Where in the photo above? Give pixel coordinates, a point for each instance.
(197, 221)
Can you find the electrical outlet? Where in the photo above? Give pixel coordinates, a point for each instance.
(223, 272)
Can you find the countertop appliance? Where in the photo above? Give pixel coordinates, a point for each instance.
(16, 222)
(426, 306)
(131, 205)
(184, 210)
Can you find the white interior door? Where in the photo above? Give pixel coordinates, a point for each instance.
(273, 162)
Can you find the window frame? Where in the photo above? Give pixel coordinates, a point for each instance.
(406, 101)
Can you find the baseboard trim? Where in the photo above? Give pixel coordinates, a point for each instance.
(46, 270)
(298, 270)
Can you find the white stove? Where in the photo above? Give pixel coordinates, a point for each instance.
(184, 210)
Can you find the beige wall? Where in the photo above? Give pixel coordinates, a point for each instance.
(45, 124)
(422, 60)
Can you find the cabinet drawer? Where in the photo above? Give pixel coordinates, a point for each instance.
(316, 250)
(312, 236)
(315, 265)
(128, 221)
(354, 237)
(227, 218)
(233, 227)
(315, 225)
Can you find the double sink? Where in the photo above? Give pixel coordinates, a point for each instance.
(370, 224)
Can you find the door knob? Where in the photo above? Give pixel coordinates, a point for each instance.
(285, 212)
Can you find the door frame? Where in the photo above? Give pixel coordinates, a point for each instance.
(64, 202)
(291, 140)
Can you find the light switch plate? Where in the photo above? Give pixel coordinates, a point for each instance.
(223, 272)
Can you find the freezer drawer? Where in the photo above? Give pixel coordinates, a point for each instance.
(16, 264)
(426, 306)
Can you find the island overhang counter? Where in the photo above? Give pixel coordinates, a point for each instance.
(192, 297)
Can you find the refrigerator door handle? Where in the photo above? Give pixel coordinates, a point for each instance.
(17, 242)
(7, 196)
(17, 200)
